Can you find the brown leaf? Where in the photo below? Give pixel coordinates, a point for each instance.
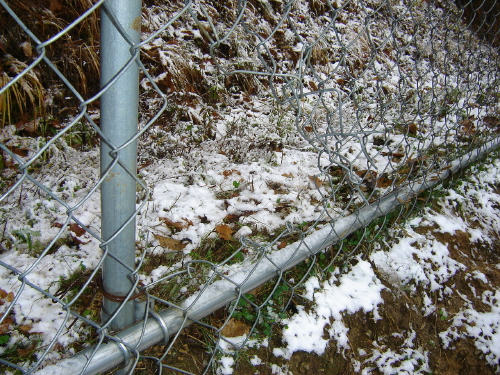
(282, 244)
(235, 328)
(313, 85)
(178, 225)
(3, 293)
(341, 81)
(317, 182)
(231, 218)
(170, 243)
(224, 231)
(4, 328)
(384, 182)
(77, 232)
(412, 128)
(468, 127)
(25, 328)
(10, 297)
(367, 175)
(76, 229)
(27, 351)
(228, 172)
(29, 126)
(27, 49)
(289, 175)
(491, 121)
(256, 291)
(9, 320)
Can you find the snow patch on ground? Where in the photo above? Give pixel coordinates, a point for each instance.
(359, 289)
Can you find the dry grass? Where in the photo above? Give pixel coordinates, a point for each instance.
(24, 97)
(75, 54)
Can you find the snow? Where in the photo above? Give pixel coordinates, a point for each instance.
(357, 290)
(407, 360)
(226, 365)
(482, 327)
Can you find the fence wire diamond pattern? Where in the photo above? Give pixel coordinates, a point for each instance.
(268, 133)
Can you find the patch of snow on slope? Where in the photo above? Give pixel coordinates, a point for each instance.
(357, 290)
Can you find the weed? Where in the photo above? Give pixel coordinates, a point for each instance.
(26, 236)
(218, 250)
(443, 315)
(251, 308)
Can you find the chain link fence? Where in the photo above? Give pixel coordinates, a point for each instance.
(276, 139)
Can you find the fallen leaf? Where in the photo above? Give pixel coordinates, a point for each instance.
(367, 175)
(336, 172)
(28, 350)
(178, 225)
(255, 291)
(27, 49)
(231, 218)
(491, 120)
(289, 175)
(25, 328)
(468, 127)
(4, 328)
(228, 172)
(3, 293)
(412, 128)
(170, 243)
(29, 126)
(282, 244)
(384, 182)
(76, 233)
(224, 231)
(235, 328)
(317, 182)
(76, 229)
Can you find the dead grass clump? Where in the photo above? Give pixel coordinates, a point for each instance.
(75, 54)
(318, 7)
(177, 74)
(15, 101)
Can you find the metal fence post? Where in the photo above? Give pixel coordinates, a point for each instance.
(120, 30)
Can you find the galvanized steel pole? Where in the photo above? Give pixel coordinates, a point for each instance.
(120, 31)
